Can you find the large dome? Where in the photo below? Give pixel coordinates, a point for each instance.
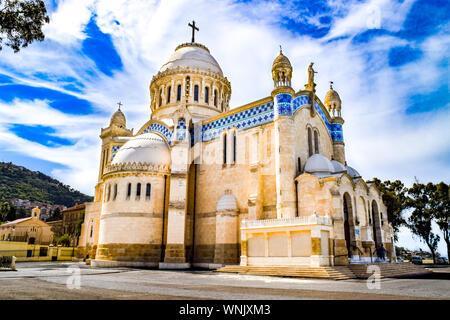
(192, 55)
(146, 148)
(317, 163)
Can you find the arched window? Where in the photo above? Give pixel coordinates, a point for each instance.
(234, 146)
(160, 98)
(225, 148)
(310, 146)
(147, 191)
(109, 192)
(196, 93)
(128, 191)
(179, 92)
(168, 94)
(215, 98)
(206, 94)
(92, 230)
(138, 191)
(316, 141)
(115, 191)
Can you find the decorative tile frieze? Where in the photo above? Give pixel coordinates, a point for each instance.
(160, 128)
(243, 120)
(283, 104)
(114, 151)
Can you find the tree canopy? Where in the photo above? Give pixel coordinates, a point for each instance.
(21, 22)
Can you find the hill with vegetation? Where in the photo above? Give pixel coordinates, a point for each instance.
(18, 182)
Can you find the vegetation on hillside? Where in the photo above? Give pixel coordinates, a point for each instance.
(20, 183)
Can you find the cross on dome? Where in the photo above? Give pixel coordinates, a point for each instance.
(194, 27)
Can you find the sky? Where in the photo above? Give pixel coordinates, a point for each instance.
(389, 61)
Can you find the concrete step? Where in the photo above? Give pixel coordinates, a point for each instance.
(293, 271)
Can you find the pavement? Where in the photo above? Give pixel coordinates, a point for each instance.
(75, 281)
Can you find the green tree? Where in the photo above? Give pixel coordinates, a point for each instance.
(55, 215)
(4, 210)
(419, 200)
(21, 22)
(64, 240)
(394, 197)
(440, 203)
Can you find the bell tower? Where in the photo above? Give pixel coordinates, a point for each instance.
(285, 170)
(111, 143)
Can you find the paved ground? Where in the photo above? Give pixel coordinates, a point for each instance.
(35, 280)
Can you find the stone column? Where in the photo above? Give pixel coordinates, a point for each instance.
(175, 253)
(285, 169)
(226, 247)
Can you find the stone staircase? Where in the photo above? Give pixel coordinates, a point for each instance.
(352, 271)
(389, 270)
(330, 273)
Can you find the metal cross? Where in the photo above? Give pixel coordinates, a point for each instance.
(331, 84)
(193, 29)
(120, 104)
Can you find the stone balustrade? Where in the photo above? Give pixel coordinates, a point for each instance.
(305, 220)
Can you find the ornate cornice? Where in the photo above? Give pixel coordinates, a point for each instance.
(139, 167)
(187, 70)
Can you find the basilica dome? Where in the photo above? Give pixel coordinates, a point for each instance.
(192, 55)
(146, 148)
(227, 202)
(352, 172)
(338, 167)
(317, 163)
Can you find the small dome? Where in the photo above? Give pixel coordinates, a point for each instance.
(192, 55)
(281, 62)
(118, 119)
(145, 148)
(338, 167)
(352, 172)
(332, 97)
(317, 163)
(227, 202)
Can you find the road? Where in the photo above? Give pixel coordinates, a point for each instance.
(35, 280)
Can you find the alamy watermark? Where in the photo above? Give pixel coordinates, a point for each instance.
(74, 280)
(374, 280)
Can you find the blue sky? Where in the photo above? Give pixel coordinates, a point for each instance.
(388, 61)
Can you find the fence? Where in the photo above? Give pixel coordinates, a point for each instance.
(29, 252)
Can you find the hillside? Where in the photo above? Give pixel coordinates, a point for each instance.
(19, 182)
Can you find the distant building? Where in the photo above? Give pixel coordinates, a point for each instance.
(69, 222)
(31, 230)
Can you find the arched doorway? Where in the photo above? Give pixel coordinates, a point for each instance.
(348, 223)
(376, 224)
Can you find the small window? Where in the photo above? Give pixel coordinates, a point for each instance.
(128, 191)
(147, 191)
(138, 191)
(225, 148)
(196, 93)
(168, 94)
(160, 98)
(310, 146)
(299, 165)
(92, 231)
(115, 191)
(109, 191)
(179, 92)
(206, 94)
(234, 146)
(316, 141)
(215, 98)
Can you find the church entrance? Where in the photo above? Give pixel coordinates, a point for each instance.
(376, 224)
(348, 223)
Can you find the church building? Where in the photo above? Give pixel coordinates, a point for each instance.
(203, 185)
